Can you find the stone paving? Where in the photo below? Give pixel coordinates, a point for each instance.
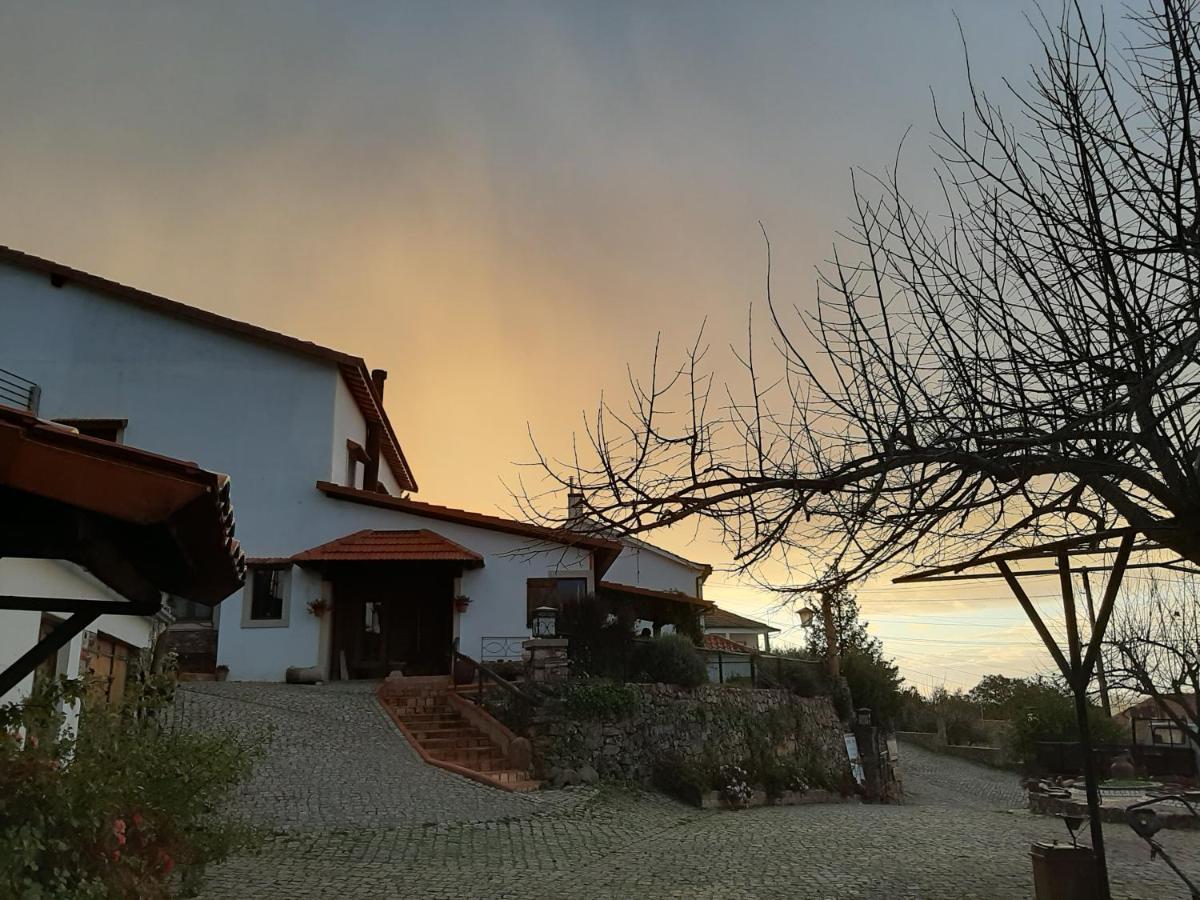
(410, 831)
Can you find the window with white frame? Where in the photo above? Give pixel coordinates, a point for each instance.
(267, 603)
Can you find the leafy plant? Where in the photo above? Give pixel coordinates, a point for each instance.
(1051, 717)
(734, 785)
(672, 659)
(603, 700)
(685, 777)
(112, 811)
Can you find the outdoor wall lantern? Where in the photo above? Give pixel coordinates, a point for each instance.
(544, 625)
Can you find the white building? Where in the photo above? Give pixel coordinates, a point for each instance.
(348, 576)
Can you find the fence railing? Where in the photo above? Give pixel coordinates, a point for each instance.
(1066, 758)
(502, 649)
(19, 392)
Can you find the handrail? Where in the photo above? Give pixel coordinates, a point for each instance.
(494, 676)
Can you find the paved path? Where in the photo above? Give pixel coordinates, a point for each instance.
(956, 837)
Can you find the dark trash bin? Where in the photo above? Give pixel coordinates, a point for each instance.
(1063, 872)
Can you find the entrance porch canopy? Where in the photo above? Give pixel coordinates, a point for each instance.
(417, 545)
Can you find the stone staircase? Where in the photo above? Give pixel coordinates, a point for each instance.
(453, 734)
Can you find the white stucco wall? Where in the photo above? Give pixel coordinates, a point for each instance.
(52, 578)
(275, 421)
(261, 414)
(497, 591)
(349, 424)
(642, 567)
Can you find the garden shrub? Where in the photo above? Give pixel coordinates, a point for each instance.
(111, 812)
(1051, 717)
(687, 778)
(602, 700)
(672, 659)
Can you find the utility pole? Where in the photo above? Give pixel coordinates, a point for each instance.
(831, 640)
(1101, 682)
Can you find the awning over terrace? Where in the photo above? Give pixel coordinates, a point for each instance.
(141, 523)
(655, 605)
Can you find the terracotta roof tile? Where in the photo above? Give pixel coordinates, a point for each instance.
(606, 551)
(676, 596)
(722, 618)
(716, 642)
(419, 545)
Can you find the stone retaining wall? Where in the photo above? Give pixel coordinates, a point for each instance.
(671, 721)
(994, 757)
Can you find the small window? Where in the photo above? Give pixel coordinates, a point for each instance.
(112, 430)
(268, 593)
(189, 610)
(556, 592)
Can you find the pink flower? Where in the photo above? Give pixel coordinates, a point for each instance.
(118, 827)
(138, 820)
(167, 863)
(116, 855)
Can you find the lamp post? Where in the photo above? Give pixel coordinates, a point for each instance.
(545, 623)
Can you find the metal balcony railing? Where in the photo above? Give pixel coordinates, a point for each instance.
(496, 649)
(19, 392)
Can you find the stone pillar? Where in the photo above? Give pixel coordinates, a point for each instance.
(547, 659)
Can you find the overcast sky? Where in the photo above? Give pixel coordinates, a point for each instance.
(501, 203)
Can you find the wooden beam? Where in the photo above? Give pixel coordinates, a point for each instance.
(1031, 611)
(72, 605)
(59, 637)
(1106, 606)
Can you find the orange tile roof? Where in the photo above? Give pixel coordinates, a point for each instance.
(716, 642)
(676, 596)
(419, 545)
(723, 618)
(174, 520)
(605, 551)
(353, 368)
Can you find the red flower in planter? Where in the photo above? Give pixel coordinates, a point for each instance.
(138, 820)
(167, 863)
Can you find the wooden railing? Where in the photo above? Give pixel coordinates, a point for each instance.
(484, 677)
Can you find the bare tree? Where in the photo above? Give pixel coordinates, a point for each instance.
(1153, 650)
(1020, 365)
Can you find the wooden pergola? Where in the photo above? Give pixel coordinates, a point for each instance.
(141, 523)
(1077, 663)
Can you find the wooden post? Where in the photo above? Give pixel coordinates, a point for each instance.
(831, 640)
(1079, 685)
(1101, 682)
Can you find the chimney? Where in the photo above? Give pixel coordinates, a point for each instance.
(374, 435)
(575, 508)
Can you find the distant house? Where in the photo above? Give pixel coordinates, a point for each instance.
(1150, 723)
(347, 575)
(723, 628)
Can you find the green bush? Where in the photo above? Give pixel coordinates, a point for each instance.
(111, 812)
(687, 778)
(602, 700)
(671, 659)
(1050, 716)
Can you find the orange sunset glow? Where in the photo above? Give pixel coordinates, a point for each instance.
(503, 208)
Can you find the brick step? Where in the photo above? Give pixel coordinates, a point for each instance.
(455, 742)
(445, 737)
(429, 718)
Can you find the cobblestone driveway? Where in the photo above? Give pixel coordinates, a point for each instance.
(411, 831)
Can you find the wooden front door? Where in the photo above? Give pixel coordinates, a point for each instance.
(392, 619)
